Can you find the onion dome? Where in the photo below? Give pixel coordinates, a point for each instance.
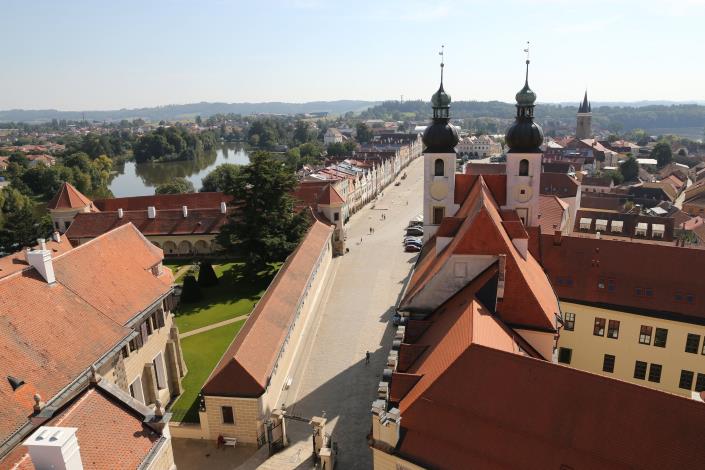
(525, 136)
(440, 136)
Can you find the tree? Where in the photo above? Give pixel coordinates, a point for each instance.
(221, 178)
(629, 169)
(266, 228)
(199, 121)
(301, 132)
(617, 177)
(662, 153)
(20, 226)
(175, 186)
(191, 291)
(341, 148)
(364, 133)
(206, 275)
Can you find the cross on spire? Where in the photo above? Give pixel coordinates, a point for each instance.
(527, 61)
(442, 54)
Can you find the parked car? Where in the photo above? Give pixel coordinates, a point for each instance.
(412, 248)
(413, 239)
(414, 231)
(419, 244)
(415, 223)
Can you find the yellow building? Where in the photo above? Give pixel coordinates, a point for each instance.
(633, 310)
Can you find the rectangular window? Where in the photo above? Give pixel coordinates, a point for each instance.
(645, 334)
(700, 383)
(125, 352)
(336, 216)
(136, 390)
(692, 343)
(640, 370)
(608, 363)
(144, 334)
(611, 285)
(613, 329)
(660, 337)
(686, 381)
(148, 325)
(655, 373)
(599, 329)
(569, 323)
(228, 416)
(153, 318)
(158, 362)
(565, 355)
(438, 214)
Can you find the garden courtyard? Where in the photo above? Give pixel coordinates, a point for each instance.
(208, 326)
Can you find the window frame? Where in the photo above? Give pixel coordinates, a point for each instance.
(139, 396)
(569, 323)
(438, 210)
(640, 369)
(599, 328)
(436, 167)
(159, 371)
(608, 359)
(665, 337)
(699, 382)
(645, 338)
(688, 375)
(567, 351)
(613, 327)
(655, 376)
(223, 416)
(688, 342)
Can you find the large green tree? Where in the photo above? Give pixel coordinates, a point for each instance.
(266, 228)
(629, 169)
(175, 186)
(364, 133)
(221, 178)
(662, 153)
(20, 226)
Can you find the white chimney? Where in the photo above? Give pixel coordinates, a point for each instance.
(54, 448)
(597, 235)
(184, 209)
(151, 212)
(57, 237)
(41, 261)
(120, 213)
(223, 208)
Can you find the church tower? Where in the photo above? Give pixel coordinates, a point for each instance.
(583, 129)
(524, 139)
(439, 139)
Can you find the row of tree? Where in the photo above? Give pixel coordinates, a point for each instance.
(172, 143)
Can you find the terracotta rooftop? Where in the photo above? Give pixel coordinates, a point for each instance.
(559, 184)
(648, 278)
(485, 168)
(16, 261)
(551, 209)
(69, 197)
(164, 202)
(166, 222)
(99, 287)
(110, 435)
(246, 366)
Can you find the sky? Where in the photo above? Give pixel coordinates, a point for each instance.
(97, 54)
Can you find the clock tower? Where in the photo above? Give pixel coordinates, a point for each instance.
(524, 139)
(439, 139)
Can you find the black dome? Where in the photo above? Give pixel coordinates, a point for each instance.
(524, 136)
(440, 137)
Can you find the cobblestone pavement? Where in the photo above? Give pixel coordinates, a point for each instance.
(354, 317)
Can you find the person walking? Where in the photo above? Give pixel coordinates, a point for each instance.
(367, 357)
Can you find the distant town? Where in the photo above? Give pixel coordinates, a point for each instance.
(399, 287)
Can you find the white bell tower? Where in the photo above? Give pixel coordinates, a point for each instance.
(440, 139)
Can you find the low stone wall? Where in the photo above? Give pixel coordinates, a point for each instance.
(186, 430)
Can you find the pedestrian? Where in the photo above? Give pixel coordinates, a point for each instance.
(367, 357)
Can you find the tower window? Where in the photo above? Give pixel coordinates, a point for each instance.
(524, 167)
(438, 213)
(439, 169)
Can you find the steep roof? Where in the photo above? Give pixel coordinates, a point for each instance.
(245, 367)
(164, 202)
(578, 266)
(551, 209)
(559, 184)
(330, 196)
(68, 197)
(166, 222)
(109, 433)
(85, 310)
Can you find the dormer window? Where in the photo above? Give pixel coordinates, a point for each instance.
(439, 168)
(524, 167)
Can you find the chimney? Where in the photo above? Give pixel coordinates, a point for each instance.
(597, 235)
(223, 208)
(184, 209)
(151, 212)
(557, 237)
(57, 237)
(41, 261)
(54, 448)
(120, 213)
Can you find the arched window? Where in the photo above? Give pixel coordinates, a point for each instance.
(524, 167)
(439, 169)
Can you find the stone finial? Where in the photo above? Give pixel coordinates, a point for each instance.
(158, 408)
(95, 376)
(38, 403)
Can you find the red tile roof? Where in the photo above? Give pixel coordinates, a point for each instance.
(99, 287)
(16, 261)
(166, 222)
(559, 184)
(330, 196)
(68, 197)
(578, 266)
(109, 435)
(551, 209)
(164, 202)
(246, 366)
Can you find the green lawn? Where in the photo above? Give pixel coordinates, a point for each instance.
(235, 295)
(201, 353)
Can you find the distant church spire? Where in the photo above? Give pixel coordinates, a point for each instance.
(583, 128)
(585, 107)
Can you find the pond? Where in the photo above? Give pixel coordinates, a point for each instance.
(140, 179)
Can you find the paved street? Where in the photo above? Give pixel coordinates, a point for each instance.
(354, 318)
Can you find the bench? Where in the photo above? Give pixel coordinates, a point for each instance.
(230, 441)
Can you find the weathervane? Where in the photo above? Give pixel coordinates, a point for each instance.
(527, 61)
(442, 54)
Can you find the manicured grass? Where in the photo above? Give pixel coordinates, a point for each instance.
(235, 295)
(201, 353)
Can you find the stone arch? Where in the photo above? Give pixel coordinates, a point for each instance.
(201, 247)
(169, 247)
(439, 167)
(185, 247)
(524, 167)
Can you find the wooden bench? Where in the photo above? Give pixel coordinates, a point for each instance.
(230, 441)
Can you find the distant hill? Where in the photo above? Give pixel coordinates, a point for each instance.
(187, 111)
